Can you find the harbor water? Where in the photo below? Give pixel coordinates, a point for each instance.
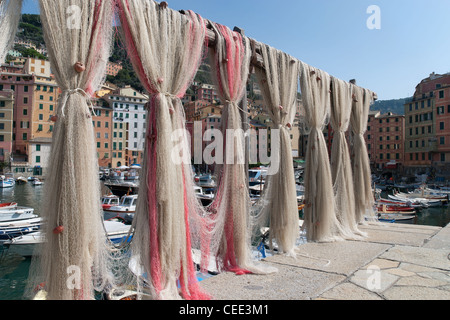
(14, 269)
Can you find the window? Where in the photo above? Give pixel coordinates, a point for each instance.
(442, 140)
(442, 157)
(25, 88)
(441, 94)
(25, 112)
(25, 136)
(441, 125)
(38, 159)
(2, 115)
(38, 147)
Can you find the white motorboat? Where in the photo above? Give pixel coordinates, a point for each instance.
(425, 202)
(124, 210)
(117, 232)
(36, 182)
(205, 196)
(6, 182)
(110, 200)
(11, 230)
(15, 213)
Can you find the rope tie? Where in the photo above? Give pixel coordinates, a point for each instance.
(68, 92)
(237, 106)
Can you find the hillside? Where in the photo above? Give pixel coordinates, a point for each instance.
(396, 106)
(30, 29)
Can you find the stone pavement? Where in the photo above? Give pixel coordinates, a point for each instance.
(395, 262)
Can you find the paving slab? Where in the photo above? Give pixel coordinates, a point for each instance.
(396, 234)
(434, 258)
(441, 240)
(342, 257)
(412, 263)
(349, 291)
(416, 293)
(289, 283)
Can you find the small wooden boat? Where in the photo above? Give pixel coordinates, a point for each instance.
(392, 217)
(384, 210)
(21, 180)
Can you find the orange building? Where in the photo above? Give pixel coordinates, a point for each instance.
(103, 132)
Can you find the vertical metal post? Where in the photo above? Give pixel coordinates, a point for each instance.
(245, 122)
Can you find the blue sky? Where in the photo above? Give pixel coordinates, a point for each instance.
(414, 39)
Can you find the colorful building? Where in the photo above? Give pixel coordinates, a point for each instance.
(385, 139)
(6, 124)
(103, 124)
(427, 117)
(35, 95)
(129, 125)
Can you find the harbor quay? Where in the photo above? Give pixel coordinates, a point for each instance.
(395, 262)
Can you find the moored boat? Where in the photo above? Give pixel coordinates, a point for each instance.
(393, 217)
(125, 210)
(14, 213)
(14, 229)
(6, 182)
(110, 200)
(116, 232)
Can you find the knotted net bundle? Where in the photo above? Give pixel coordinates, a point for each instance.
(10, 13)
(341, 166)
(230, 236)
(278, 208)
(75, 240)
(165, 48)
(320, 222)
(364, 199)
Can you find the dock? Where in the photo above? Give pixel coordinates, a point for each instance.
(395, 262)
